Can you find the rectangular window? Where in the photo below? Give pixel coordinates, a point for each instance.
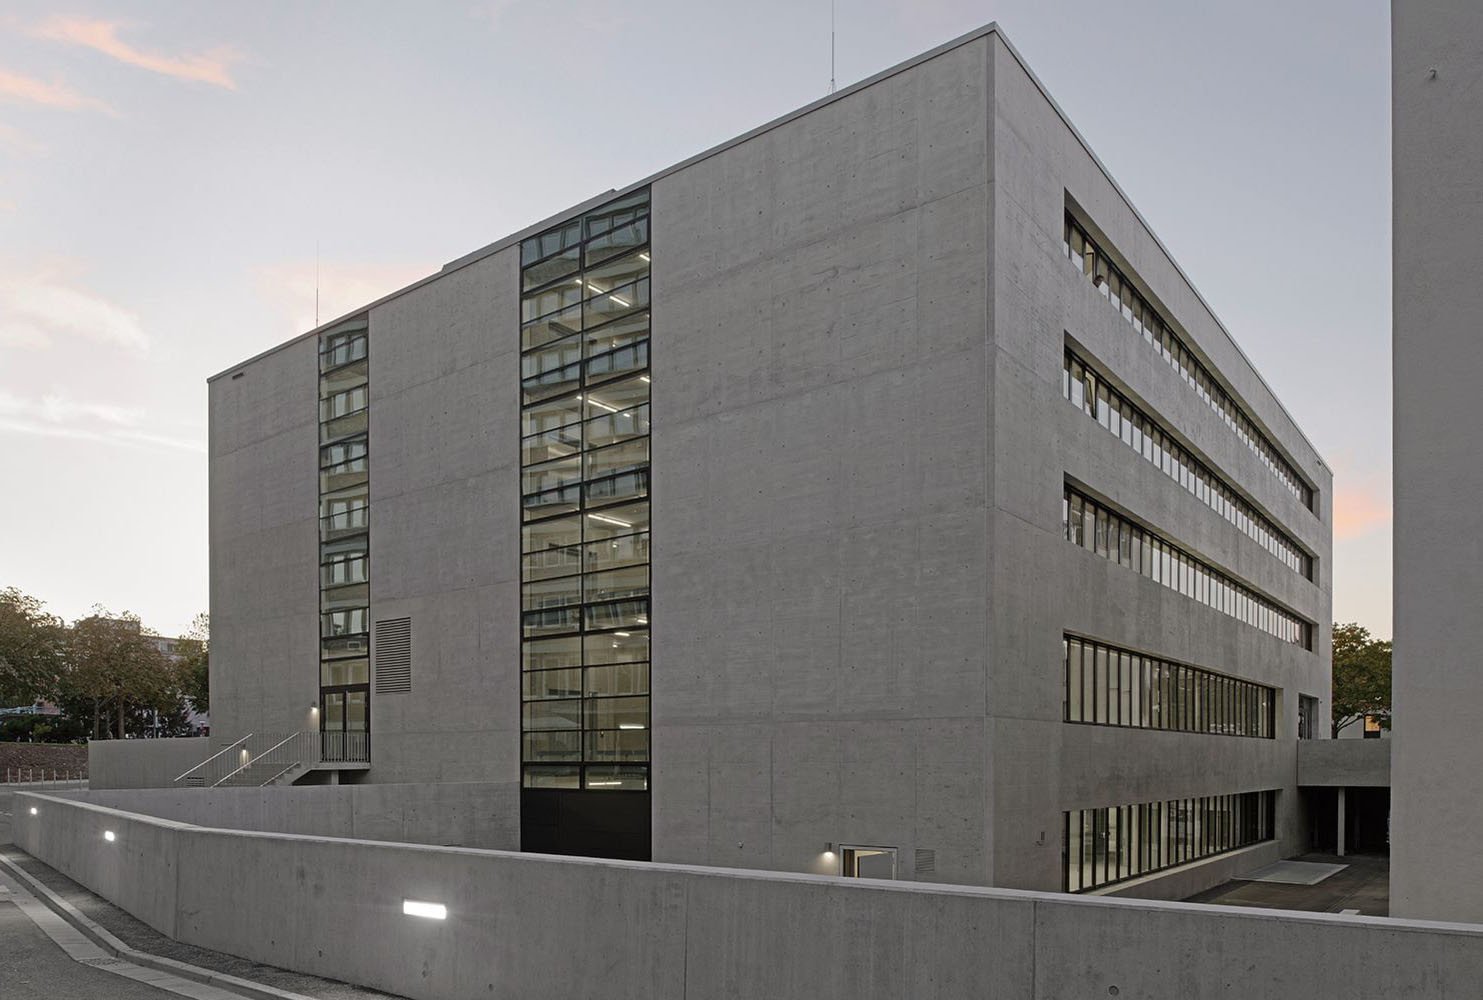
(1117, 687)
(1112, 283)
(1178, 570)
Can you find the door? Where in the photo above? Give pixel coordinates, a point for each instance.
(867, 862)
(344, 724)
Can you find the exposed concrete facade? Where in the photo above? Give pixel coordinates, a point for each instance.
(860, 581)
(1437, 805)
(534, 927)
(1357, 763)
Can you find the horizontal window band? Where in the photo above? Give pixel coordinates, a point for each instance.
(1089, 389)
(1093, 525)
(1096, 265)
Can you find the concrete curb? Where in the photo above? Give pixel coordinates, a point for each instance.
(100, 936)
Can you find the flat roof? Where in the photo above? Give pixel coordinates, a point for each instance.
(992, 28)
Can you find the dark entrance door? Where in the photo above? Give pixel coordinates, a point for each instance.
(345, 724)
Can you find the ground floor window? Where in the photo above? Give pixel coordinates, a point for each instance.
(1115, 843)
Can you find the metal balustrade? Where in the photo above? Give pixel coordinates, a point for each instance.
(256, 760)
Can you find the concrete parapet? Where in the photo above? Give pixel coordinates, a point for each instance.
(534, 926)
(144, 763)
(1340, 763)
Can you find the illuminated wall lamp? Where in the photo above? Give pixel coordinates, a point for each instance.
(109, 836)
(33, 810)
(432, 911)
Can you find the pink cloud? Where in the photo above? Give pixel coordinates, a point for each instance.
(14, 138)
(15, 87)
(1358, 512)
(212, 66)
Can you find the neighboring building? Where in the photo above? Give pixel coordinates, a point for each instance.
(980, 552)
(1437, 143)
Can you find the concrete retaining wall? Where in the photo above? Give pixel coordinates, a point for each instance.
(532, 926)
(470, 814)
(143, 763)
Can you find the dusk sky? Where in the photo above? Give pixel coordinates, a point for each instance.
(167, 170)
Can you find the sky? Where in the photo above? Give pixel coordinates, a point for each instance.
(170, 172)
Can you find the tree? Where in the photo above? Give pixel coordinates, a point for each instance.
(113, 663)
(30, 649)
(1361, 677)
(194, 651)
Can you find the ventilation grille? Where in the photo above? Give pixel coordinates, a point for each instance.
(394, 656)
(926, 861)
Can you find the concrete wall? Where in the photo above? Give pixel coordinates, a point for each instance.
(1355, 763)
(447, 814)
(1437, 804)
(445, 523)
(1042, 587)
(264, 499)
(531, 926)
(819, 504)
(143, 763)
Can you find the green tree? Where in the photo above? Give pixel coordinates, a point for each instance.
(113, 665)
(194, 651)
(31, 644)
(1361, 676)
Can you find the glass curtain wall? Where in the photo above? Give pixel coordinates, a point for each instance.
(344, 542)
(585, 510)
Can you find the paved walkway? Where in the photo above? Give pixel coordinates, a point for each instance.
(28, 954)
(1363, 885)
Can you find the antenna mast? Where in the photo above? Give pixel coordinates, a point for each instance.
(831, 46)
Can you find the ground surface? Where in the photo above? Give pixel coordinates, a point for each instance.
(27, 954)
(1364, 886)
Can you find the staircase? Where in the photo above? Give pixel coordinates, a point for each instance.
(258, 760)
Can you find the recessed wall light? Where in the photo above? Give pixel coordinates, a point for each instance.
(33, 810)
(432, 911)
(109, 836)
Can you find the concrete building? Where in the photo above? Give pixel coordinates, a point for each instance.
(980, 552)
(1437, 115)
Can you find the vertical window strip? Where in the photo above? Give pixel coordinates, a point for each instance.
(1089, 391)
(344, 540)
(1112, 844)
(584, 508)
(1160, 694)
(1090, 525)
(1093, 262)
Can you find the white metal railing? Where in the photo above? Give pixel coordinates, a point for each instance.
(261, 760)
(51, 775)
(211, 770)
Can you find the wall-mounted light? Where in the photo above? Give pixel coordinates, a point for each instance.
(432, 911)
(109, 836)
(33, 810)
(829, 849)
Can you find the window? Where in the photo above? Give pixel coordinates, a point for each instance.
(1307, 717)
(585, 514)
(1095, 264)
(867, 862)
(344, 541)
(1087, 389)
(1112, 844)
(1180, 571)
(1145, 700)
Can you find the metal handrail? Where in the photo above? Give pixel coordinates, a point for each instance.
(251, 760)
(229, 746)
